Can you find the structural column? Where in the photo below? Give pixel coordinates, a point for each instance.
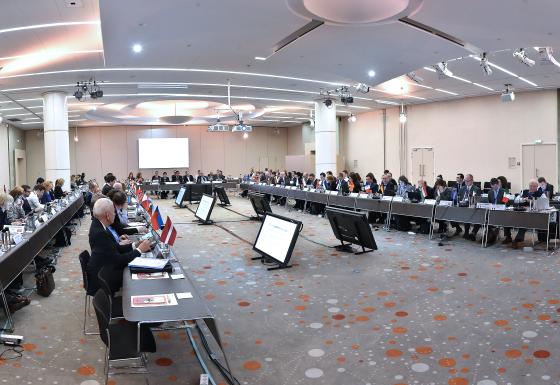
(325, 138)
(57, 145)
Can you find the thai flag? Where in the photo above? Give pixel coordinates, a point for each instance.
(157, 222)
(169, 233)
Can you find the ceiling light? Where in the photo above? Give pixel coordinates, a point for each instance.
(415, 78)
(446, 92)
(429, 69)
(507, 94)
(442, 70)
(352, 118)
(504, 71)
(137, 48)
(245, 135)
(484, 64)
(371, 73)
(261, 58)
(38, 26)
(523, 58)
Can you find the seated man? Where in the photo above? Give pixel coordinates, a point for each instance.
(495, 197)
(164, 179)
(106, 249)
(466, 193)
(201, 178)
(545, 187)
(527, 195)
(110, 180)
(35, 197)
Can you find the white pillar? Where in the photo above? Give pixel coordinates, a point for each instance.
(57, 146)
(325, 138)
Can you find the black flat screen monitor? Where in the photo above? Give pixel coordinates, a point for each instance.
(277, 238)
(205, 206)
(220, 192)
(180, 197)
(352, 227)
(260, 204)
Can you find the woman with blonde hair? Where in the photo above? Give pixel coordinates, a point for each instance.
(58, 192)
(48, 196)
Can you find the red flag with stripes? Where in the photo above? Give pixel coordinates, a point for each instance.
(169, 233)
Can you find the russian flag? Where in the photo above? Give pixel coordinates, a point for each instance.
(169, 233)
(157, 222)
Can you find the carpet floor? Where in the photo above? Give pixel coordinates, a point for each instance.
(412, 312)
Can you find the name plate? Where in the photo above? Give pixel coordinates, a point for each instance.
(486, 206)
(333, 192)
(498, 207)
(397, 199)
(53, 211)
(44, 217)
(312, 190)
(386, 198)
(37, 223)
(429, 202)
(293, 187)
(446, 203)
(18, 238)
(354, 195)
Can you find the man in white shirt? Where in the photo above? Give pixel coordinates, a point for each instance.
(34, 198)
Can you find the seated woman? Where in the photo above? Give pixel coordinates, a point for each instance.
(121, 217)
(48, 195)
(371, 186)
(58, 192)
(16, 213)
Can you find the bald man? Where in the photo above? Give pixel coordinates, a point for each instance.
(106, 249)
(118, 186)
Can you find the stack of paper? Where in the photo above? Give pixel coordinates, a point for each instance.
(148, 263)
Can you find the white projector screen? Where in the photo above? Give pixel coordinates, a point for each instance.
(163, 153)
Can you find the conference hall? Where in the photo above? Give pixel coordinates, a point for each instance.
(279, 192)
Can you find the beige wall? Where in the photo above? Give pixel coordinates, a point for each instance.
(472, 135)
(477, 135)
(115, 149)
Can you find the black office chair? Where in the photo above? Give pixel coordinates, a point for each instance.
(103, 278)
(84, 260)
(121, 339)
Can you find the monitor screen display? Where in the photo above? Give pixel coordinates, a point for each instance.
(275, 237)
(180, 196)
(205, 207)
(163, 152)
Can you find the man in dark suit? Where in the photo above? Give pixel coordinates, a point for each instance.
(187, 177)
(109, 182)
(220, 175)
(466, 193)
(176, 177)
(425, 191)
(496, 197)
(387, 187)
(164, 179)
(107, 248)
(545, 187)
(26, 193)
(201, 178)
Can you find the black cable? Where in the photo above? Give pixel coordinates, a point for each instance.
(315, 242)
(236, 212)
(17, 349)
(234, 234)
(230, 378)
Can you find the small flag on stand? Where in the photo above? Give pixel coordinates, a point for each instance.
(156, 220)
(169, 233)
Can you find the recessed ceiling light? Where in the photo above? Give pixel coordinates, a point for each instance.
(261, 58)
(137, 48)
(371, 73)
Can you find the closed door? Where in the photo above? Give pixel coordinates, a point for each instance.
(20, 167)
(422, 164)
(538, 160)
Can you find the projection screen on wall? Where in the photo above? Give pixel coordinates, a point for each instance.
(163, 153)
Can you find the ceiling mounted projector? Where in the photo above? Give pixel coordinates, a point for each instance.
(507, 94)
(241, 127)
(218, 127)
(523, 58)
(361, 87)
(485, 66)
(175, 119)
(442, 70)
(415, 78)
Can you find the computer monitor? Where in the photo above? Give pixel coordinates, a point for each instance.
(414, 196)
(276, 239)
(180, 197)
(204, 209)
(352, 227)
(220, 192)
(260, 204)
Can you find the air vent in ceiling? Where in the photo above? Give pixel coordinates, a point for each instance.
(73, 3)
(297, 34)
(13, 120)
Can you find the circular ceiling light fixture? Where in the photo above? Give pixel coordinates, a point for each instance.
(137, 48)
(371, 73)
(349, 12)
(175, 119)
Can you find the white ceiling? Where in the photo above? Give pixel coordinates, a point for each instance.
(201, 45)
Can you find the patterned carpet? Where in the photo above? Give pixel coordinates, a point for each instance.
(410, 313)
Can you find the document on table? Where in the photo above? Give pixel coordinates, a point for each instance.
(149, 263)
(158, 275)
(186, 295)
(177, 276)
(153, 300)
